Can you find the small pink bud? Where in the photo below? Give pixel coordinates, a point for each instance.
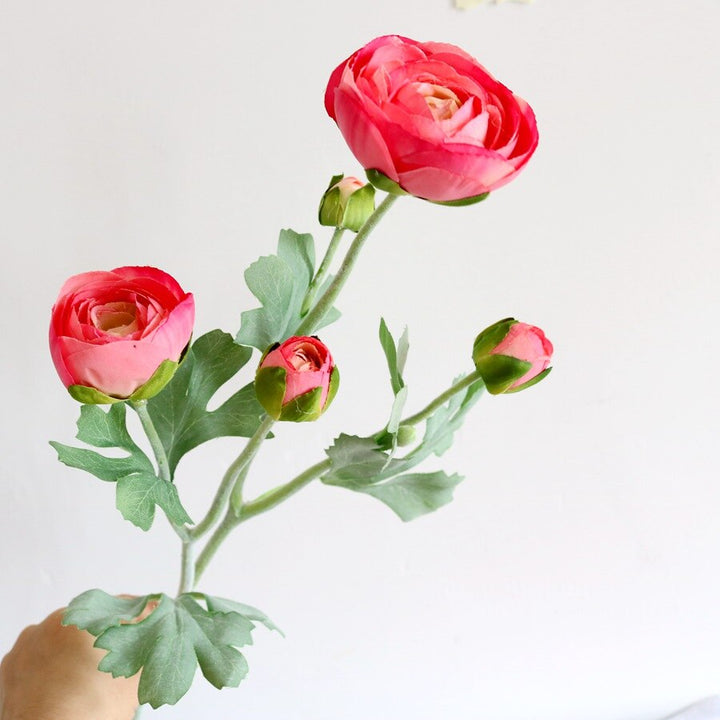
(511, 356)
(296, 380)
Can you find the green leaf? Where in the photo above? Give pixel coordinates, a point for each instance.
(362, 465)
(95, 610)
(180, 413)
(395, 355)
(280, 282)
(137, 496)
(396, 411)
(410, 496)
(104, 430)
(170, 643)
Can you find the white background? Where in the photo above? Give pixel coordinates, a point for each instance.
(576, 573)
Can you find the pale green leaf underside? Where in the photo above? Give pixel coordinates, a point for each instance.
(167, 647)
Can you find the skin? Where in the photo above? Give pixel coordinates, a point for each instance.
(51, 674)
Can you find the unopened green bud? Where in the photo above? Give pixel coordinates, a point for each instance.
(406, 435)
(347, 203)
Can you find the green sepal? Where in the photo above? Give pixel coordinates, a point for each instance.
(499, 372)
(332, 387)
(384, 183)
(532, 381)
(491, 337)
(462, 202)
(270, 389)
(303, 408)
(91, 396)
(360, 206)
(157, 381)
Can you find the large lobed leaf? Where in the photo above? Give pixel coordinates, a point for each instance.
(168, 645)
(180, 413)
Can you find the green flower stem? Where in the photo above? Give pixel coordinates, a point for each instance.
(322, 270)
(262, 504)
(441, 399)
(235, 474)
(229, 523)
(267, 501)
(315, 316)
(140, 407)
(272, 498)
(187, 568)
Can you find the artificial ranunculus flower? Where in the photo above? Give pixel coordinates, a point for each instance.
(119, 334)
(296, 380)
(428, 119)
(511, 356)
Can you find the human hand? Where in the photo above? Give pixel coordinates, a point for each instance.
(51, 674)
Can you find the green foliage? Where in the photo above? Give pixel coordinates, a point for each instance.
(280, 282)
(104, 430)
(138, 489)
(169, 644)
(396, 355)
(137, 496)
(179, 413)
(364, 465)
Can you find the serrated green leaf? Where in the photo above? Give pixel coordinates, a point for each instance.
(247, 611)
(410, 496)
(360, 464)
(180, 413)
(96, 611)
(104, 430)
(280, 282)
(168, 645)
(137, 496)
(104, 468)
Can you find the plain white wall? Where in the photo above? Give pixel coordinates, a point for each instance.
(576, 573)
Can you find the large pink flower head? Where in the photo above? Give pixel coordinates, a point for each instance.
(431, 119)
(297, 379)
(512, 356)
(111, 332)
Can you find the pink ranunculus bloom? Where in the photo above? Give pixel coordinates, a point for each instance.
(110, 331)
(511, 356)
(430, 118)
(297, 379)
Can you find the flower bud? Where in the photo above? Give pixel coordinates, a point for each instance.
(511, 356)
(296, 380)
(347, 203)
